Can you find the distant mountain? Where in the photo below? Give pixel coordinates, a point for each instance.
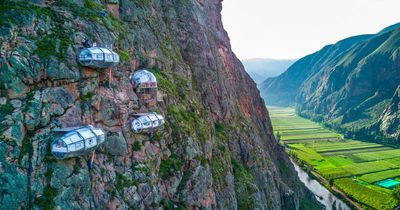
(260, 69)
(350, 86)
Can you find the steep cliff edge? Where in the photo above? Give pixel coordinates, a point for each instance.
(215, 151)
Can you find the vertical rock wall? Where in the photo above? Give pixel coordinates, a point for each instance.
(215, 151)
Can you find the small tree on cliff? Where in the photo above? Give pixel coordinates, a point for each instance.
(278, 137)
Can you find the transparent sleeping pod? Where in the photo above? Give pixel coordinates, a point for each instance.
(98, 57)
(77, 142)
(145, 85)
(147, 123)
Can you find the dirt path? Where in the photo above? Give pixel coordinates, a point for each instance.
(322, 179)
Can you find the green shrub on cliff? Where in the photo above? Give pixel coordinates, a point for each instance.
(170, 166)
(244, 181)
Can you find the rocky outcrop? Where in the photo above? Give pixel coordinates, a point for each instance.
(215, 151)
(390, 119)
(347, 86)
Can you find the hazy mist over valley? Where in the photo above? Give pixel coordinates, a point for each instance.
(260, 69)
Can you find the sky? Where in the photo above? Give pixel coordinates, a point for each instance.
(290, 29)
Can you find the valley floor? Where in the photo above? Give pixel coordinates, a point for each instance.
(366, 172)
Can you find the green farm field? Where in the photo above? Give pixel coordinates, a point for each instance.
(352, 166)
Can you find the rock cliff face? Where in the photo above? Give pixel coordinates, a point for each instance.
(389, 122)
(215, 151)
(350, 86)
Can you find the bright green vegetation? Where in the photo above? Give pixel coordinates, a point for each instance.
(137, 146)
(355, 167)
(243, 185)
(170, 166)
(124, 55)
(122, 182)
(88, 96)
(374, 177)
(46, 201)
(368, 195)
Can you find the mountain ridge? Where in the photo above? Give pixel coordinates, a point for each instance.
(346, 85)
(260, 69)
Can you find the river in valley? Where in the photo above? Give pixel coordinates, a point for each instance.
(322, 194)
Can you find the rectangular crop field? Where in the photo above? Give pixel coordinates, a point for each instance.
(355, 167)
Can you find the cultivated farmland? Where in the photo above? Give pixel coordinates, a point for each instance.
(354, 167)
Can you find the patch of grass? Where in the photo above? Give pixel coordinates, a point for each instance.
(222, 131)
(182, 120)
(45, 47)
(164, 82)
(283, 166)
(167, 204)
(6, 109)
(87, 11)
(92, 5)
(220, 164)
(170, 205)
(156, 137)
(122, 182)
(222, 148)
(137, 146)
(57, 39)
(170, 166)
(124, 55)
(88, 96)
(27, 147)
(77, 167)
(54, 44)
(203, 161)
(174, 84)
(48, 156)
(181, 84)
(49, 173)
(29, 100)
(143, 3)
(244, 181)
(170, 48)
(184, 180)
(219, 127)
(46, 201)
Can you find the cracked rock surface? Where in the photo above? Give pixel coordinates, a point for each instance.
(216, 150)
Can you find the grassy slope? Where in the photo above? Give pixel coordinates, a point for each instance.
(353, 166)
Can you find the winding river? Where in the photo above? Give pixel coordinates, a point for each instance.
(322, 194)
